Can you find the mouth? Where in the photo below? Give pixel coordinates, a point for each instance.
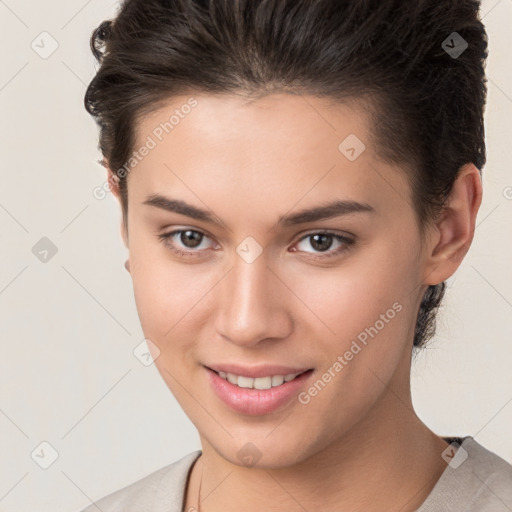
(261, 383)
(256, 396)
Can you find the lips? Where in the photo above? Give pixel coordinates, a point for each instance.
(253, 402)
(257, 371)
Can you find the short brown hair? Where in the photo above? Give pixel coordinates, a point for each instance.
(430, 99)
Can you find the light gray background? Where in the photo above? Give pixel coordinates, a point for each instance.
(69, 326)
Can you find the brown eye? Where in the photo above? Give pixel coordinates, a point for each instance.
(191, 238)
(322, 242)
(186, 242)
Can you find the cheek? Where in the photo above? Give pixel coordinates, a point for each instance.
(351, 296)
(362, 310)
(171, 297)
(365, 314)
(166, 293)
(168, 298)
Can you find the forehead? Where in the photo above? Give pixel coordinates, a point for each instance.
(292, 118)
(275, 149)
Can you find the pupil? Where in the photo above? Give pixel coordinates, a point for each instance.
(191, 238)
(323, 244)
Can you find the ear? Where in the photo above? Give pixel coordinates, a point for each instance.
(113, 181)
(449, 240)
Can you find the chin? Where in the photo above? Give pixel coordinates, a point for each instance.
(265, 451)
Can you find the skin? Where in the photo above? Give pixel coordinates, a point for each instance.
(358, 444)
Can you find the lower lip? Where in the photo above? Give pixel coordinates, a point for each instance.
(256, 402)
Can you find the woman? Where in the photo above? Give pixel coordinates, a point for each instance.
(297, 180)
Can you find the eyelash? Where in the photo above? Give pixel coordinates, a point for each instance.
(347, 243)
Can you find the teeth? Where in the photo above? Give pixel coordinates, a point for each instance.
(277, 380)
(245, 382)
(259, 382)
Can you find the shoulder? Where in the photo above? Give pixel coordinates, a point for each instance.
(162, 490)
(476, 480)
(492, 477)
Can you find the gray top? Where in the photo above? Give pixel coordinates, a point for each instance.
(480, 482)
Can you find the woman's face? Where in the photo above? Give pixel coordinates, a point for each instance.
(254, 281)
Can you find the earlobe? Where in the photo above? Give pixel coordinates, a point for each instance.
(455, 228)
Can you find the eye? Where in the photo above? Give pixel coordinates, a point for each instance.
(190, 243)
(322, 241)
(185, 242)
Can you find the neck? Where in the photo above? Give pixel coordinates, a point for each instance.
(368, 472)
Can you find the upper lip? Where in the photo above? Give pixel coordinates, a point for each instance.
(256, 371)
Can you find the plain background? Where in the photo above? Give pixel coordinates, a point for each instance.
(69, 326)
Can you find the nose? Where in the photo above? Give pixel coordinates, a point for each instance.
(252, 304)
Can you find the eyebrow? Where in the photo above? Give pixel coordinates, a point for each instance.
(326, 211)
